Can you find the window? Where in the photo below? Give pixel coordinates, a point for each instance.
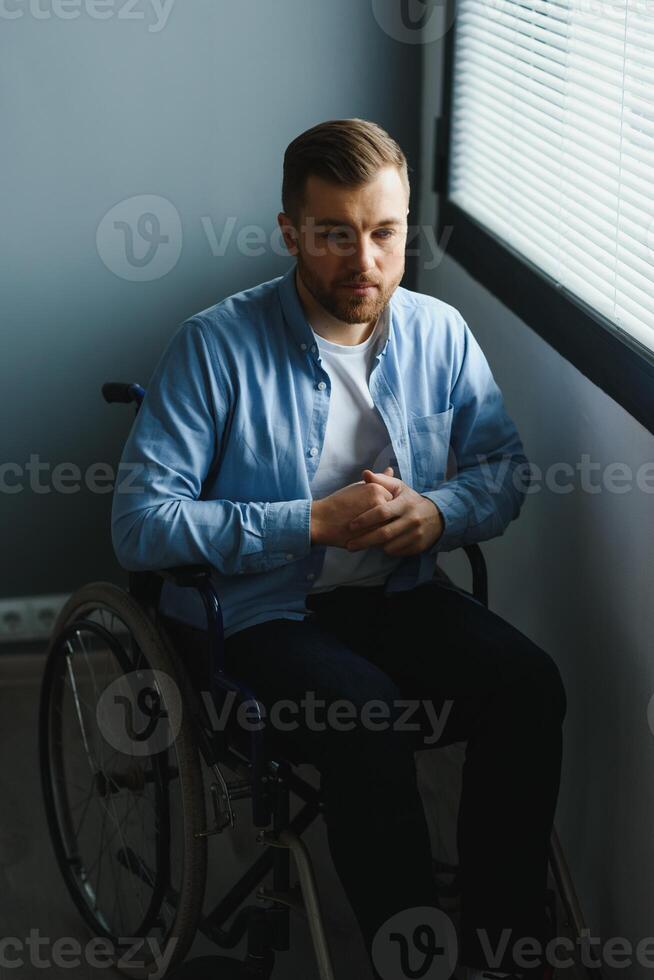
(549, 143)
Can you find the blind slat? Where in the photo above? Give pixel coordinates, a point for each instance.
(552, 143)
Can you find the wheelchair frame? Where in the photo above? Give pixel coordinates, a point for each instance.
(268, 783)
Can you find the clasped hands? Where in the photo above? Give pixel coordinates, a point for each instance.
(379, 511)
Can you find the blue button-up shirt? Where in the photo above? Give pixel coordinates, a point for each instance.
(218, 464)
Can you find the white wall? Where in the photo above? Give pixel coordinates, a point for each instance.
(575, 574)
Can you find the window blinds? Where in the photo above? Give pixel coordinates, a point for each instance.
(552, 142)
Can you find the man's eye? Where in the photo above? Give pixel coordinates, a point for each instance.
(383, 233)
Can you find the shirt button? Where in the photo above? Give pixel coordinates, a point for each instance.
(313, 451)
(311, 575)
(314, 348)
(303, 346)
(290, 557)
(321, 385)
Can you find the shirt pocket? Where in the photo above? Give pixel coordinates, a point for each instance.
(429, 439)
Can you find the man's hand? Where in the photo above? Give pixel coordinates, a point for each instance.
(404, 524)
(331, 516)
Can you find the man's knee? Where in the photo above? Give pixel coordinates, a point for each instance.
(545, 682)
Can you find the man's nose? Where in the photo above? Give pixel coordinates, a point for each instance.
(362, 259)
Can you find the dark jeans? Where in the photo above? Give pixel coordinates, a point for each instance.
(490, 685)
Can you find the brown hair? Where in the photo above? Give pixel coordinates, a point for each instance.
(345, 151)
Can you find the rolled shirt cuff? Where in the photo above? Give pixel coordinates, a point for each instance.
(455, 517)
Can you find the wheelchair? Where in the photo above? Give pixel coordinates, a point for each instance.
(137, 777)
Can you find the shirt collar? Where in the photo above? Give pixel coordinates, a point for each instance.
(297, 322)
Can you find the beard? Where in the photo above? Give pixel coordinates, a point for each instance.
(346, 306)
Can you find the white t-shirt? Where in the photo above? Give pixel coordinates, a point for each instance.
(356, 438)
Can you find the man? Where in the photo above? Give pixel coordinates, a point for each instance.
(318, 440)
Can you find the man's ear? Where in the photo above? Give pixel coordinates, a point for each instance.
(289, 232)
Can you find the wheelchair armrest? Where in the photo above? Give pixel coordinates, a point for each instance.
(479, 572)
(122, 391)
(186, 576)
(477, 561)
(147, 586)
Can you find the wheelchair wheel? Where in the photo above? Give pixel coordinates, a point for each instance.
(122, 781)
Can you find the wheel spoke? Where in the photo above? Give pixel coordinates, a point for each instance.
(86, 809)
(97, 880)
(95, 686)
(80, 719)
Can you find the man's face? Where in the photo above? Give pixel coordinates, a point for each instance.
(351, 235)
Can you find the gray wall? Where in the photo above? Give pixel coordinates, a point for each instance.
(575, 574)
(194, 105)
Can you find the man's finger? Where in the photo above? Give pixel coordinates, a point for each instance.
(389, 482)
(403, 544)
(379, 536)
(378, 514)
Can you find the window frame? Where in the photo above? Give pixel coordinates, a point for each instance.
(609, 357)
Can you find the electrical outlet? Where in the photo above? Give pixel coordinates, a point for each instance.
(43, 612)
(14, 619)
(29, 617)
